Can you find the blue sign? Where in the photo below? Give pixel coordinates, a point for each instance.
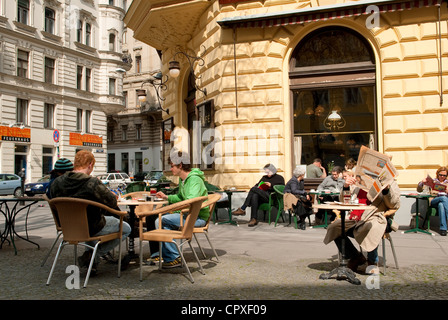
(56, 135)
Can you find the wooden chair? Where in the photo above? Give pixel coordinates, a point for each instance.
(58, 228)
(211, 203)
(137, 194)
(164, 235)
(72, 214)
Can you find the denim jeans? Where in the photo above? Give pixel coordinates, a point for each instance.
(172, 222)
(441, 204)
(112, 225)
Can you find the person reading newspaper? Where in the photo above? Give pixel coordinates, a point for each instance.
(437, 188)
(382, 192)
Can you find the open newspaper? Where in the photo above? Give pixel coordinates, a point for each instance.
(374, 172)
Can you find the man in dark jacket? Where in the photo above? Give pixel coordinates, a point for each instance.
(79, 184)
(259, 193)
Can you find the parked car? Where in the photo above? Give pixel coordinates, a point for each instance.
(39, 187)
(153, 177)
(10, 184)
(115, 179)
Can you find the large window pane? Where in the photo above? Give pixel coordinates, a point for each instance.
(49, 70)
(22, 111)
(49, 20)
(355, 106)
(22, 63)
(23, 8)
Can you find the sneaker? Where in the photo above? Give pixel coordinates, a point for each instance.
(238, 212)
(153, 261)
(125, 262)
(176, 263)
(443, 233)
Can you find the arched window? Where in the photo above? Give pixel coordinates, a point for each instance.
(332, 82)
(111, 42)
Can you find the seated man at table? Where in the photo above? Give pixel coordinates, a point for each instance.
(80, 184)
(191, 185)
(368, 230)
(315, 169)
(331, 184)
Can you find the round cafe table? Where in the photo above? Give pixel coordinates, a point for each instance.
(132, 204)
(342, 272)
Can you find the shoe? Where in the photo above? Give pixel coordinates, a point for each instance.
(176, 263)
(153, 261)
(302, 225)
(238, 212)
(443, 233)
(354, 263)
(84, 260)
(253, 222)
(125, 262)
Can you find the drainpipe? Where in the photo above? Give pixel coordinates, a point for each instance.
(234, 65)
(440, 55)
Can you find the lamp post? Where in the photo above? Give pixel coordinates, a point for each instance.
(158, 84)
(174, 67)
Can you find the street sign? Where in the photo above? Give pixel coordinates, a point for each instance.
(56, 135)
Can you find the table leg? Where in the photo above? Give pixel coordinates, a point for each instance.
(417, 229)
(229, 195)
(14, 213)
(342, 272)
(131, 249)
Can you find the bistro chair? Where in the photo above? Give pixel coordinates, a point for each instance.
(211, 203)
(383, 245)
(72, 213)
(58, 228)
(164, 235)
(267, 206)
(279, 192)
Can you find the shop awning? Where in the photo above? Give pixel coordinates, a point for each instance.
(312, 14)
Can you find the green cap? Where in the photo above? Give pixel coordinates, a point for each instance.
(63, 164)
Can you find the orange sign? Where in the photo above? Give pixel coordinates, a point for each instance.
(85, 140)
(15, 134)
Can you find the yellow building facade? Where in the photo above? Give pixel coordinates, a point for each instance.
(274, 71)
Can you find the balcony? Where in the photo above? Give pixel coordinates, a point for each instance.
(164, 24)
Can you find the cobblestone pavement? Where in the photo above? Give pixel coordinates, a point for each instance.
(265, 262)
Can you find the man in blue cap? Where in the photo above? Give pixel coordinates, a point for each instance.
(61, 166)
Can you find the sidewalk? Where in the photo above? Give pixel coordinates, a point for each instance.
(264, 262)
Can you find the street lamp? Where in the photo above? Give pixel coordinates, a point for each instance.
(174, 67)
(158, 84)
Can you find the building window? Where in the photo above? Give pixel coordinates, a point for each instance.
(47, 160)
(23, 9)
(49, 70)
(111, 86)
(138, 132)
(22, 111)
(124, 133)
(138, 64)
(138, 162)
(88, 33)
(111, 2)
(49, 116)
(49, 20)
(88, 79)
(22, 63)
(79, 31)
(79, 120)
(112, 42)
(88, 121)
(110, 134)
(332, 70)
(125, 98)
(79, 77)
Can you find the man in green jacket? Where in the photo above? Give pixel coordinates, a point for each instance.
(191, 185)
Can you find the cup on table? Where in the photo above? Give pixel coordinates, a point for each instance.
(153, 191)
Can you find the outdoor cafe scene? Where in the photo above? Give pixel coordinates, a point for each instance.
(274, 150)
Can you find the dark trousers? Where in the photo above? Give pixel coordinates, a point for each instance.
(350, 249)
(254, 199)
(151, 225)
